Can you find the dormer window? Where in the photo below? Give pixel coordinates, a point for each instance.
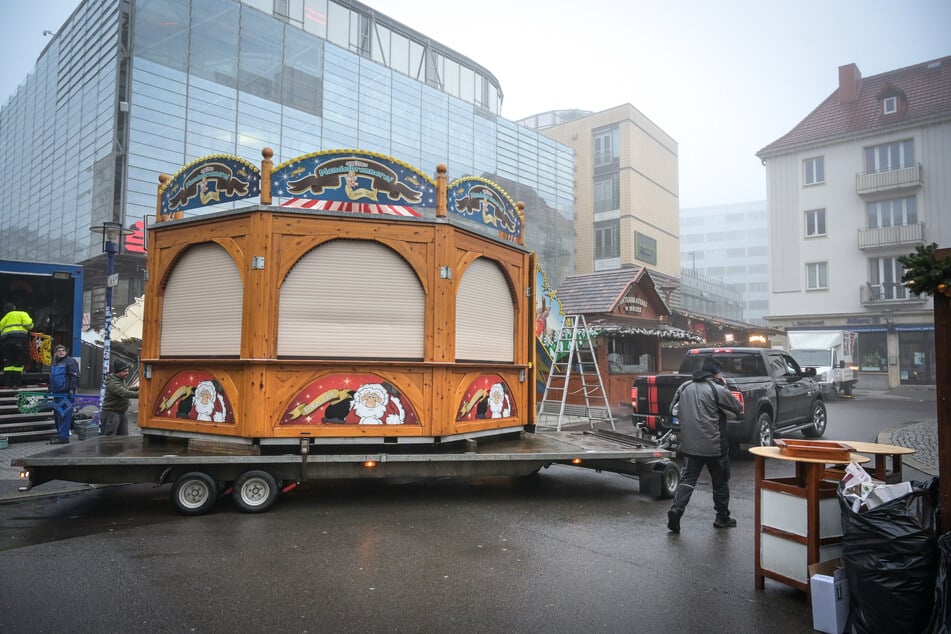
(893, 101)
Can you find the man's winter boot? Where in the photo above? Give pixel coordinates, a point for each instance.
(724, 522)
(673, 521)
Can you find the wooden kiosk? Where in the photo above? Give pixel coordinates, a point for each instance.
(376, 305)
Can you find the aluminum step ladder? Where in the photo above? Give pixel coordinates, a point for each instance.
(574, 356)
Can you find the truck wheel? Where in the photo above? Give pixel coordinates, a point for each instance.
(669, 480)
(763, 431)
(255, 491)
(195, 493)
(819, 420)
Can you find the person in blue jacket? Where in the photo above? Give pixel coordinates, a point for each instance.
(701, 405)
(64, 381)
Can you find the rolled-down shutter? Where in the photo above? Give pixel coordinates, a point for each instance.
(485, 315)
(201, 312)
(351, 298)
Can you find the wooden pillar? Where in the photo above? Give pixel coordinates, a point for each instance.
(163, 182)
(442, 191)
(266, 166)
(942, 344)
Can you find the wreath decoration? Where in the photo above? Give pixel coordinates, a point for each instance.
(925, 273)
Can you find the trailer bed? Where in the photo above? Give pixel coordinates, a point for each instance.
(120, 460)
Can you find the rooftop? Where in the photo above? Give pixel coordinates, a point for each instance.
(925, 88)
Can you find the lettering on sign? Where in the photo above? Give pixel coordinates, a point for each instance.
(634, 305)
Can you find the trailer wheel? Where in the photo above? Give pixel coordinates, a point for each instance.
(669, 480)
(195, 493)
(255, 491)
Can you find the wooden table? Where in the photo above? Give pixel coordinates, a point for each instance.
(879, 470)
(797, 518)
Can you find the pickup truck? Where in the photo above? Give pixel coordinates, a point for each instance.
(777, 395)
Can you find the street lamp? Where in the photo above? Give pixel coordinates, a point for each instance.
(111, 233)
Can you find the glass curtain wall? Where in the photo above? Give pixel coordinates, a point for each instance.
(226, 77)
(58, 128)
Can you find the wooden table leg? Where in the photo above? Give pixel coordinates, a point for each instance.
(760, 471)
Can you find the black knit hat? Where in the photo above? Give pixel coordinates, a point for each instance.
(711, 365)
(119, 366)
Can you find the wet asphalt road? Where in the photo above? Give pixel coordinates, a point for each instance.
(566, 550)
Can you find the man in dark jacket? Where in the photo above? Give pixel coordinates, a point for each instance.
(701, 406)
(116, 402)
(64, 381)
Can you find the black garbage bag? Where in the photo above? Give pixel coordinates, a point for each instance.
(890, 558)
(941, 616)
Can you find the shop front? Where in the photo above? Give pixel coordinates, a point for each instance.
(916, 355)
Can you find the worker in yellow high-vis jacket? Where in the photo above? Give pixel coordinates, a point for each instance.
(15, 329)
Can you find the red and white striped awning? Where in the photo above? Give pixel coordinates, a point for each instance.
(357, 208)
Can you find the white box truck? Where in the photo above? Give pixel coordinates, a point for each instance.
(830, 353)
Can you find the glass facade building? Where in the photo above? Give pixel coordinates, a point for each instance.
(128, 89)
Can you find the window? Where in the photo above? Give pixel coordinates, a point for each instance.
(815, 223)
(890, 156)
(630, 355)
(606, 147)
(884, 277)
(817, 276)
(871, 352)
(890, 105)
(814, 171)
(607, 239)
(607, 193)
(892, 213)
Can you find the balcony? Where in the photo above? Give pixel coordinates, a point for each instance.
(867, 183)
(888, 294)
(885, 237)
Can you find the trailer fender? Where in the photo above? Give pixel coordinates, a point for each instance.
(660, 480)
(166, 476)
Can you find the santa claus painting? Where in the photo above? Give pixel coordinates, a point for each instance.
(207, 404)
(195, 395)
(487, 397)
(373, 405)
(500, 405)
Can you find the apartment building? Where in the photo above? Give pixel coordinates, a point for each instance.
(861, 181)
(626, 188)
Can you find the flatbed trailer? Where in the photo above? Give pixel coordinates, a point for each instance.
(200, 476)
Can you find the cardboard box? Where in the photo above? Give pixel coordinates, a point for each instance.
(830, 596)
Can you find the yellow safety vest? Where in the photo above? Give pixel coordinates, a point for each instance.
(15, 321)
